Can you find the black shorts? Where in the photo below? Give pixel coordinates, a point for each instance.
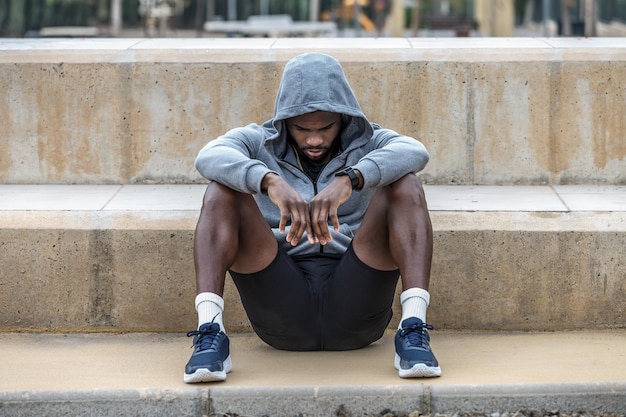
(318, 302)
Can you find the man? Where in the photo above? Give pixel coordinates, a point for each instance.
(315, 214)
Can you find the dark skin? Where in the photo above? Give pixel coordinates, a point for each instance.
(231, 233)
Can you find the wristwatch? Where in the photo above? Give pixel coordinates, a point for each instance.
(354, 179)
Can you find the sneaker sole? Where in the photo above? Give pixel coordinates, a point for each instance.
(419, 370)
(204, 375)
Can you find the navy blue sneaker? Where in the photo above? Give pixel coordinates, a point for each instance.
(210, 360)
(413, 355)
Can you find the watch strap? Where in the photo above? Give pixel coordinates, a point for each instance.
(349, 172)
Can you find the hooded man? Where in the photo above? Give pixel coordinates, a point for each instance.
(315, 214)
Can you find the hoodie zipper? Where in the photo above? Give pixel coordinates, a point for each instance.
(314, 183)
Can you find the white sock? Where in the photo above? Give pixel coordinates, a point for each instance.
(414, 304)
(210, 308)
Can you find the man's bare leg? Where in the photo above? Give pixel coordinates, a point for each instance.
(231, 234)
(396, 233)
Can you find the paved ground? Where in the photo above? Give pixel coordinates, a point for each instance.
(114, 361)
(141, 374)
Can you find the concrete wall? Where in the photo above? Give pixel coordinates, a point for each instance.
(133, 271)
(490, 111)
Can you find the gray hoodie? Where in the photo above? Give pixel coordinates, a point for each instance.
(241, 158)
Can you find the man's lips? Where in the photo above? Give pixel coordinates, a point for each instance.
(314, 152)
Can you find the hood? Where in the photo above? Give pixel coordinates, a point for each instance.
(312, 82)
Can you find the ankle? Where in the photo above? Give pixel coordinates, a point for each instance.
(415, 303)
(210, 307)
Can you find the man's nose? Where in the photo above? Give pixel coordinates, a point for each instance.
(314, 139)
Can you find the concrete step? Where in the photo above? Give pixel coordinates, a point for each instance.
(510, 373)
(119, 258)
(489, 110)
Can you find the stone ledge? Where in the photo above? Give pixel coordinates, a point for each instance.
(237, 50)
(185, 198)
(556, 265)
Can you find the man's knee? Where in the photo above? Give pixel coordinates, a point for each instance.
(409, 189)
(227, 207)
(218, 196)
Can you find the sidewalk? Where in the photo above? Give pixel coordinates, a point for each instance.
(486, 372)
(149, 360)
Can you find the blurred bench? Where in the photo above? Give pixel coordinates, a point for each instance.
(68, 32)
(271, 26)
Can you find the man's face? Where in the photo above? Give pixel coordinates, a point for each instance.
(314, 134)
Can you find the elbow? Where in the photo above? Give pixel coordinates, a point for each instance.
(422, 158)
(202, 164)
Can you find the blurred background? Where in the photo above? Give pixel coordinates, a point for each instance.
(268, 18)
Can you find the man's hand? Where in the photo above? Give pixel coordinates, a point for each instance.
(325, 205)
(291, 205)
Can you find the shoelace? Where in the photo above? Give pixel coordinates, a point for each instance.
(416, 334)
(205, 338)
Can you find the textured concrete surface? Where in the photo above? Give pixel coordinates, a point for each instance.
(85, 258)
(483, 372)
(490, 111)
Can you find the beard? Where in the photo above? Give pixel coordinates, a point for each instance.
(316, 155)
